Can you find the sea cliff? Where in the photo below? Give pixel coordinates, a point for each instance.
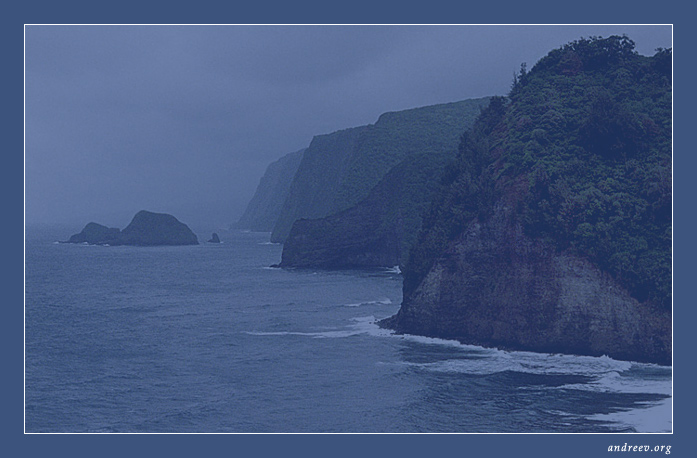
(340, 169)
(378, 231)
(495, 286)
(552, 231)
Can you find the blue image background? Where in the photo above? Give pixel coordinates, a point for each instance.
(340, 445)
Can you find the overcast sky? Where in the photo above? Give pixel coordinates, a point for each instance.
(184, 119)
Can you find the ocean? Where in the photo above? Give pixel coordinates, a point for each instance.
(210, 339)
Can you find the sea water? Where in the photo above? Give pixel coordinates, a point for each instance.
(209, 338)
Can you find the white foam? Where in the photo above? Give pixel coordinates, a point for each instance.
(394, 270)
(316, 335)
(654, 418)
(268, 243)
(379, 302)
(615, 382)
(444, 342)
(569, 364)
(480, 360)
(485, 361)
(361, 325)
(607, 374)
(491, 360)
(368, 325)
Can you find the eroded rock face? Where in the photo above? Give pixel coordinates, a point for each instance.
(340, 169)
(146, 229)
(495, 286)
(214, 238)
(379, 231)
(318, 243)
(553, 230)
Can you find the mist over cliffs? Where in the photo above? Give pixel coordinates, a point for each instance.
(263, 210)
(338, 170)
(538, 221)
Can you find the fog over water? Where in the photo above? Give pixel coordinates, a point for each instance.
(184, 119)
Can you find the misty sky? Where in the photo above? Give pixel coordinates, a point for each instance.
(184, 119)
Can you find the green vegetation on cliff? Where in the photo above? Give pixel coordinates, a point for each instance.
(581, 150)
(321, 171)
(339, 170)
(378, 231)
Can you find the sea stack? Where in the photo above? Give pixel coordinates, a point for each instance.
(146, 229)
(214, 238)
(96, 234)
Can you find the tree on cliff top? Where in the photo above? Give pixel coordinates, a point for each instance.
(582, 148)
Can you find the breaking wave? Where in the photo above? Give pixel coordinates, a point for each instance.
(379, 302)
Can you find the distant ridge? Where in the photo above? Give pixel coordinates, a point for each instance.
(379, 231)
(263, 210)
(338, 170)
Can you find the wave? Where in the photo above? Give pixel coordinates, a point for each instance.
(603, 374)
(378, 302)
(486, 361)
(394, 270)
(361, 325)
(625, 382)
(649, 418)
(609, 374)
(606, 375)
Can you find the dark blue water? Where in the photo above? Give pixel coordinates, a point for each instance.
(209, 339)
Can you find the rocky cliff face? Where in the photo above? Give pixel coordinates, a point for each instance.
(264, 209)
(552, 231)
(324, 164)
(378, 231)
(340, 169)
(146, 229)
(495, 286)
